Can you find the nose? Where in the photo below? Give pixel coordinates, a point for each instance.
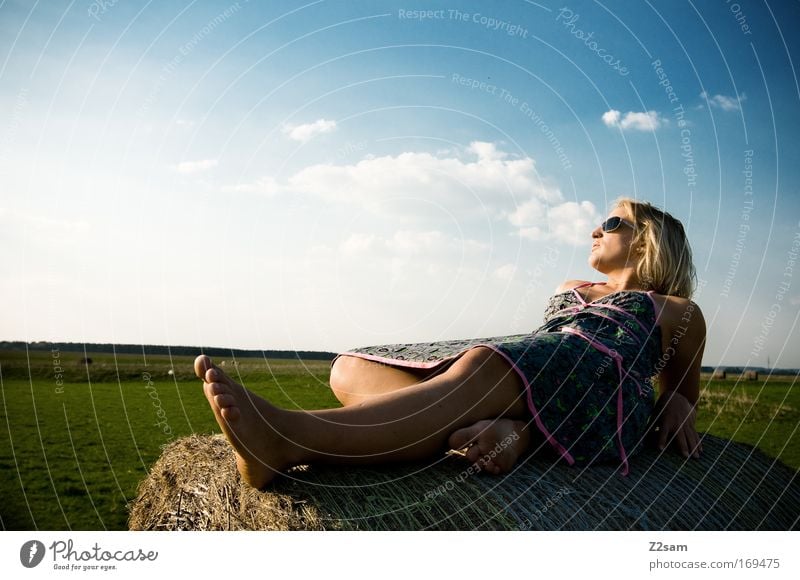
(597, 232)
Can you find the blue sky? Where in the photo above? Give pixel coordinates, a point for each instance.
(326, 175)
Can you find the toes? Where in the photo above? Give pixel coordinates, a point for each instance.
(492, 467)
(224, 400)
(216, 375)
(201, 365)
(474, 453)
(230, 413)
(215, 389)
(503, 464)
(464, 437)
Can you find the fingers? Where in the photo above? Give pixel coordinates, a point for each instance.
(686, 438)
(683, 443)
(689, 442)
(662, 437)
(697, 446)
(674, 423)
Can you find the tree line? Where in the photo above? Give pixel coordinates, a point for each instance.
(154, 349)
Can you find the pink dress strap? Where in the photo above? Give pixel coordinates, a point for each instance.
(622, 376)
(597, 344)
(584, 285)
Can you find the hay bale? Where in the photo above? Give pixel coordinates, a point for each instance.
(719, 374)
(194, 485)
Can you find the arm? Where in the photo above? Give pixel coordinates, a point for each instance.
(679, 381)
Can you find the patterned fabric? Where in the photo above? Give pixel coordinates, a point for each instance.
(587, 371)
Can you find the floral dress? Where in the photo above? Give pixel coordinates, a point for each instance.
(587, 370)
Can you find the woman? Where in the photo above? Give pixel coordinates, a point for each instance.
(579, 385)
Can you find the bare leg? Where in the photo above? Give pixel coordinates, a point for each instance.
(491, 445)
(411, 423)
(355, 380)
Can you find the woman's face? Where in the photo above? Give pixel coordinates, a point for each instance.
(612, 250)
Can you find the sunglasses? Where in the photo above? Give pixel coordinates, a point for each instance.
(613, 223)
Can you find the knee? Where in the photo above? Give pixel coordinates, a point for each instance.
(344, 370)
(478, 355)
(479, 361)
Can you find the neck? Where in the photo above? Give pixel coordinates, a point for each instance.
(623, 280)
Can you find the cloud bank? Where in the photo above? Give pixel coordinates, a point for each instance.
(482, 181)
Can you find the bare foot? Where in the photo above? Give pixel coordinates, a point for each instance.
(245, 419)
(492, 446)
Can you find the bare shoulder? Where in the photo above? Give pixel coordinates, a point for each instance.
(683, 343)
(569, 285)
(677, 312)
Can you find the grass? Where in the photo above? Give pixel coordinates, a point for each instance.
(75, 444)
(73, 450)
(763, 414)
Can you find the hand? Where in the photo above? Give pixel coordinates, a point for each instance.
(674, 420)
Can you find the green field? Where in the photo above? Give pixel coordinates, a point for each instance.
(76, 443)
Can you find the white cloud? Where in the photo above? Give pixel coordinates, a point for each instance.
(418, 245)
(447, 181)
(724, 102)
(397, 262)
(611, 118)
(38, 223)
(506, 272)
(44, 230)
(486, 151)
(530, 218)
(569, 222)
(305, 132)
(572, 222)
(357, 245)
(646, 121)
(196, 166)
(264, 185)
(529, 212)
(420, 185)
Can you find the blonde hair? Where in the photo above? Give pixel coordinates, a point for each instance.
(666, 257)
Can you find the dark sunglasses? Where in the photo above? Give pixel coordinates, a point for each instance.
(613, 223)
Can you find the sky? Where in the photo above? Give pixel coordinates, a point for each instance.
(332, 174)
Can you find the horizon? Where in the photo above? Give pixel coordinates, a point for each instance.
(206, 349)
(330, 175)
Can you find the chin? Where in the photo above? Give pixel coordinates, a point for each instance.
(596, 263)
